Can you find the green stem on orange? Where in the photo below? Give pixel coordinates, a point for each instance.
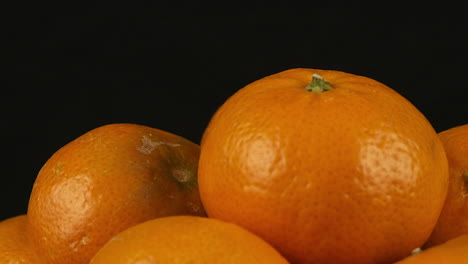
(318, 84)
(465, 178)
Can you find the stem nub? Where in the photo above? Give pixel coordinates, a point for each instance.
(318, 84)
(465, 178)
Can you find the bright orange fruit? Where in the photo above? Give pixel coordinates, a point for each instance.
(327, 166)
(453, 220)
(15, 246)
(453, 251)
(187, 239)
(107, 180)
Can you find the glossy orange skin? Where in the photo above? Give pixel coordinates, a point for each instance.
(15, 246)
(453, 251)
(187, 239)
(352, 175)
(107, 180)
(453, 220)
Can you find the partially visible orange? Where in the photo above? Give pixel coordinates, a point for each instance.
(15, 246)
(187, 239)
(328, 167)
(110, 178)
(453, 220)
(453, 251)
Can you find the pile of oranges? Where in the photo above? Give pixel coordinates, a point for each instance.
(304, 166)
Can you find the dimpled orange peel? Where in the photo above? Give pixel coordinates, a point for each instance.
(327, 166)
(107, 180)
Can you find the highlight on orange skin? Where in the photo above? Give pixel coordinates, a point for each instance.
(328, 167)
(106, 180)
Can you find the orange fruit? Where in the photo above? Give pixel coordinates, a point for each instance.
(327, 166)
(110, 178)
(15, 246)
(453, 251)
(453, 220)
(187, 239)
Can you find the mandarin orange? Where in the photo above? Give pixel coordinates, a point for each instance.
(110, 178)
(187, 239)
(453, 251)
(453, 220)
(15, 246)
(327, 166)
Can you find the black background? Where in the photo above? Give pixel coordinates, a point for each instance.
(172, 67)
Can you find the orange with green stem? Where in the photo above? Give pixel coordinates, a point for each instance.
(337, 170)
